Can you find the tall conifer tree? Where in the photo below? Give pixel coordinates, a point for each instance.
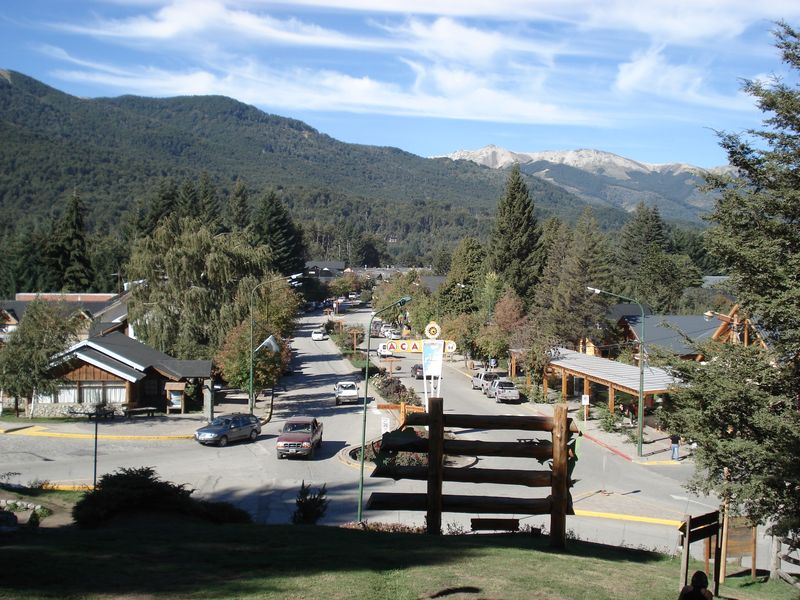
(274, 228)
(515, 238)
(78, 273)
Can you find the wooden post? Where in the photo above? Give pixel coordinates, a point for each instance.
(724, 557)
(544, 385)
(611, 392)
(587, 390)
(753, 553)
(564, 386)
(684, 579)
(435, 465)
(402, 413)
(558, 494)
(717, 561)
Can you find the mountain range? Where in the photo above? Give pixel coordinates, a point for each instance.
(603, 179)
(114, 151)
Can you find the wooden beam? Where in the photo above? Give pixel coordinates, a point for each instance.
(563, 385)
(519, 423)
(435, 465)
(460, 503)
(501, 476)
(611, 392)
(558, 494)
(543, 449)
(494, 524)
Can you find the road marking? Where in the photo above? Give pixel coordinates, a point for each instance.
(619, 517)
(37, 431)
(685, 499)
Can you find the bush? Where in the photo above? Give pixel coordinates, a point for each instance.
(140, 490)
(608, 420)
(311, 507)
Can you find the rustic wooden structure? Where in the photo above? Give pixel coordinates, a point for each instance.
(403, 408)
(557, 504)
(694, 529)
(738, 540)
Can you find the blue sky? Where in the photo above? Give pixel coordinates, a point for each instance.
(650, 80)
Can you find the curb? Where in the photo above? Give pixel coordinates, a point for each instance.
(13, 429)
(619, 453)
(91, 436)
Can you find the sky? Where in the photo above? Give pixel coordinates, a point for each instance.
(650, 80)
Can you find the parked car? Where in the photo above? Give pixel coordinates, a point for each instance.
(318, 335)
(482, 379)
(393, 334)
(383, 351)
(504, 391)
(300, 436)
(416, 371)
(386, 327)
(229, 428)
(345, 391)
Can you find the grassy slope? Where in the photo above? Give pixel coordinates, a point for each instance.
(158, 557)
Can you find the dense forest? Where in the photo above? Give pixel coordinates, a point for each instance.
(132, 160)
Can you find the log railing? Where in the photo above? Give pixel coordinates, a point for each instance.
(557, 504)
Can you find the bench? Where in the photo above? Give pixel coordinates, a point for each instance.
(132, 411)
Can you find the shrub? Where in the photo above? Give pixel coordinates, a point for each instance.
(140, 490)
(608, 420)
(311, 507)
(385, 527)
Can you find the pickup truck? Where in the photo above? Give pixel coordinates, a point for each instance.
(482, 379)
(300, 436)
(345, 391)
(503, 391)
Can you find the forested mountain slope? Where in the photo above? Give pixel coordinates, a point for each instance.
(113, 151)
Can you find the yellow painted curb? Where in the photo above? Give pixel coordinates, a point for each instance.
(42, 432)
(656, 462)
(619, 517)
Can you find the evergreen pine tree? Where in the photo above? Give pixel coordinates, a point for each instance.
(274, 228)
(515, 239)
(208, 202)
(187, 200)
(78, 273)
(645, 229)
(237, 216)
(461, 288)
(164, 203)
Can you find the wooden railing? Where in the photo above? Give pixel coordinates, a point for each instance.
(557, 504)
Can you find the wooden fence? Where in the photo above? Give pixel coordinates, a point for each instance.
(557, 504)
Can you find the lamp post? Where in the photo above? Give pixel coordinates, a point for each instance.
(270, 342)
(640, 412)
(400, 302)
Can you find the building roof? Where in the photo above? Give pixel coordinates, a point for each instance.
(621, 376)
(675, 333)
(625, 309)
(138, 357)
(432, 282)
(330, 265)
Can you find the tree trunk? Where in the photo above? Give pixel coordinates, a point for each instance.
(775, 561)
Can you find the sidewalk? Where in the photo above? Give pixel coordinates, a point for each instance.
(162, 427)
(656, 447)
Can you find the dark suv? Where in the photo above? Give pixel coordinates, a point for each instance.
(229, 428)
(416, 371)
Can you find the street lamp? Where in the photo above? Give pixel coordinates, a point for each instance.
(400, 302)
(640, 412)
(270, 341)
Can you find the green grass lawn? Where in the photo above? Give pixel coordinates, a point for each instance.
(164, 557)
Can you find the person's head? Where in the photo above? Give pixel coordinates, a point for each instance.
(699, 580)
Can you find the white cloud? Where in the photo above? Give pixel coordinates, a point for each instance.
(650, 73)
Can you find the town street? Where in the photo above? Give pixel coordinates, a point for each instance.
(616, 501)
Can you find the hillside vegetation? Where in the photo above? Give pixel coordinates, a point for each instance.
(114, 151)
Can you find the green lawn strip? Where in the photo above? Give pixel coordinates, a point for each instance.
(163, 557)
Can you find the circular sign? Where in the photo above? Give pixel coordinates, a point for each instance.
(450, 346)
(432, 330)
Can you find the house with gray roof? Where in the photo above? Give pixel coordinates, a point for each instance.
(121, 372)
(674, 333)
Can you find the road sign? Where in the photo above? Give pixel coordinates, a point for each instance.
(415, 346)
